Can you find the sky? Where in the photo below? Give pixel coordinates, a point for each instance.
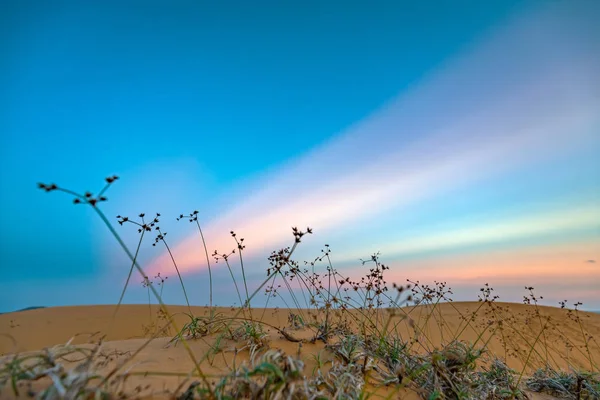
(459, 139)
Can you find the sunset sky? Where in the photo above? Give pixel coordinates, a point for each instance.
(460, 139)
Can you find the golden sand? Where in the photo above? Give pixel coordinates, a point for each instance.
(561, 343)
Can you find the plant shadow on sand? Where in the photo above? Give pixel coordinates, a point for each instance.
(336, 338)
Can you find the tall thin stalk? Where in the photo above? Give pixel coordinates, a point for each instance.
(161, 238)
(241, 247)
(137, 251)
(193, 217)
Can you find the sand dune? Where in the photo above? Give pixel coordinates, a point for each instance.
(509, 331)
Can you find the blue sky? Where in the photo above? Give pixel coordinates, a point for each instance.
(438, 133)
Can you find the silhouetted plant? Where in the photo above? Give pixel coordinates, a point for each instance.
(193, 217)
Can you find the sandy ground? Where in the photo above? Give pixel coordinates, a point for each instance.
(564, 342)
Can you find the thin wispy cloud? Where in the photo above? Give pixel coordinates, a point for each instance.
(526, 94)
(556, 222)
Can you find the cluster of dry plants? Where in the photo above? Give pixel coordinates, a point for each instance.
(375, 338)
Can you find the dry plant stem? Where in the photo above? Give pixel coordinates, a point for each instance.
(137, 250)
(247, 304)
(149, 304)
(244, 278)
(162, 305)
(234, 282)
(291, 291)
(302, 279)
(589, 354)
(531, 350)
(178, 274)
(209, 269)
(501, 329)
(549, 356)
(262, 317)
(537, 312)
(329, 268)
(434, 305)
(440, 323)
(386, 325)
(531, 346)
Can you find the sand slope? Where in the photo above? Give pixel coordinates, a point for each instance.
(561, 343)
